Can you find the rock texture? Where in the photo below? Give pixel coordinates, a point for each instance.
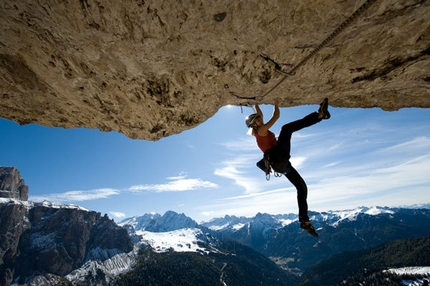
(13, 223)
(11, 184)
(150, 69)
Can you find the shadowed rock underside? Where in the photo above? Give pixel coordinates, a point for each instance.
(150, 69)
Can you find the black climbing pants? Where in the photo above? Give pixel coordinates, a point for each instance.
(284, 148)
(302, 192)
(284, 139)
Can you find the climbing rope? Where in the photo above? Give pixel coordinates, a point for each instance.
(339, 29)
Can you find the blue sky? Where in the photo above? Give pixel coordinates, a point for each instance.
(359, 157)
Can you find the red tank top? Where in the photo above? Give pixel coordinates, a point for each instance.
(266, 142)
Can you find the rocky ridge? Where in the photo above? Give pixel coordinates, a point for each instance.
(38, 239)
(150, 69)
(12, 185)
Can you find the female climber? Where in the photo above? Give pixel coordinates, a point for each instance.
(277, 152)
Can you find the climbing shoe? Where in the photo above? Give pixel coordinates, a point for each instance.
(306, 225)
(324, 109)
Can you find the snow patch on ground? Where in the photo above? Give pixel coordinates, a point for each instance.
(348, 215)
(285, 222)
(377, 211)
(112, 267)
(29, 204)
(219, 227)
(352, 215)
(7, 201)
(413, 270)
(238, 226)
(55, 205)
(182, 240)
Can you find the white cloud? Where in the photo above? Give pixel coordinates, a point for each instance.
(238, 170)
(242, 144)
(179, 177)
(179, 185)
(274, 202)
(242, 169)
(176, 184)
(117, 214)
(416, 145)
(380, 167)
(389, 180)
(208, 213)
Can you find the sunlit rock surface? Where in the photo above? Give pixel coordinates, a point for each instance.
(150, 69)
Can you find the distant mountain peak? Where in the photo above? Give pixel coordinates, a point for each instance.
(154, 222)
(333, 218)
(12, 185)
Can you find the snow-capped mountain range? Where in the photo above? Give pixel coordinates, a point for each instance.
(171, 231)
(332, 218)
(172, 221)
(181, 233)
(112, 249)
(280, 235)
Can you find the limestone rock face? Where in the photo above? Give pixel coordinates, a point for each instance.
(37, 238)
(150, 69)
(61, 240)
(13, 223)
(40, 238)
(11, 184)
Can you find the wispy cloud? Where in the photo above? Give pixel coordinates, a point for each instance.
(274, 202)
(241, 166)
(416, 145)
(179, 177)
(117, 214)
(242, 170)
(245, 143)
(77, 196)
(176, 184)
(380, 167)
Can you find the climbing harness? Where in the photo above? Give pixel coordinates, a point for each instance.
(265, 166)
(340, 28)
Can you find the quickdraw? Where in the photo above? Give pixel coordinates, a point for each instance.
(268, 169)
(277, 66)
